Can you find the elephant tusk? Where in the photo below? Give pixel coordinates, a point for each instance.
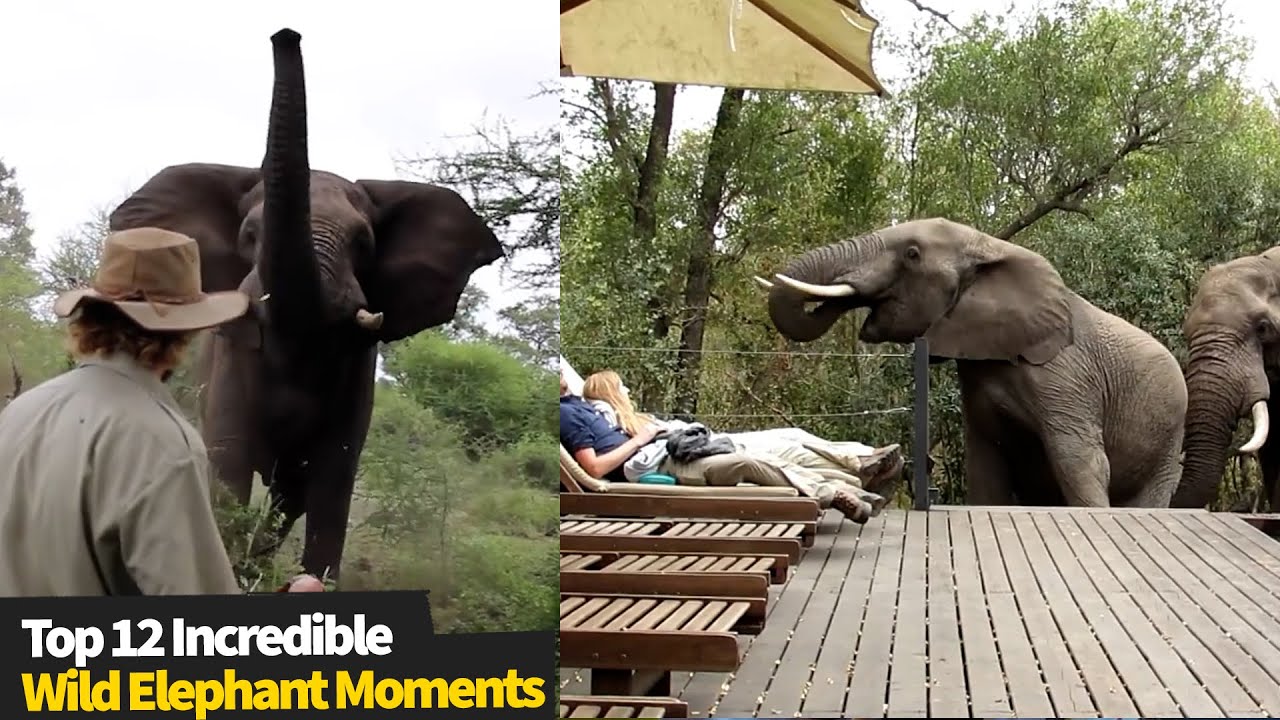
(368, 320)
(830, 291)
(1261, 426)
(264, 297)
(764, 283)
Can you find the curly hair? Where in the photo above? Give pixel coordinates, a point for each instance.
(101, 329)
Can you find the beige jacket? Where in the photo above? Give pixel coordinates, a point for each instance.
(104, 490)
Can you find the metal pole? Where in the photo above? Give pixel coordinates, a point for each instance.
(920, 438)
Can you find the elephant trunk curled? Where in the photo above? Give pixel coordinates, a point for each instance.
(828, 265)
(1220, 388)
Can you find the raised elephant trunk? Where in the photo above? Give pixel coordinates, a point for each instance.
(287, 262)
(1221, 386)
(828, 275)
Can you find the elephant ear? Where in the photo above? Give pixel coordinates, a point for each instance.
(428, 241)
(204, 202)
(1015, 305)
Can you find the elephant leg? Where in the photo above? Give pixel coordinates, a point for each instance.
(988, 479)
(1158, 493)
(1080, 466)
(330, 486)
(229, 428)
(328, 508)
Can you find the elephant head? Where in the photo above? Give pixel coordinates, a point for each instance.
(972, 296)
(1233, 341)
(380, 258)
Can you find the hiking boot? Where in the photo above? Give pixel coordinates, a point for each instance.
(884, 471)
(859, 506)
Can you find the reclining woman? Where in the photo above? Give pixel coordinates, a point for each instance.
(853, 463)
(602, 449)
(831, 474)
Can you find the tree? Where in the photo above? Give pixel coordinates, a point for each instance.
(514, 183)
(75, 259)
(15, 232)
(28, 345)
(534, 330)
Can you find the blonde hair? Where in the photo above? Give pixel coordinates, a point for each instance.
(607, 387)
(101, 329)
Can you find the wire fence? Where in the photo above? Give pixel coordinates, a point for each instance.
(922, 493)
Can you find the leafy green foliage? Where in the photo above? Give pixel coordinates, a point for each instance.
(443, 377)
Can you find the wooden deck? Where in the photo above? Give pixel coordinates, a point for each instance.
(1014, 612)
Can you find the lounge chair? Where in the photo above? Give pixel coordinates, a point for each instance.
(632, 642)
(582, 494)
(615, 706)
(773, 567)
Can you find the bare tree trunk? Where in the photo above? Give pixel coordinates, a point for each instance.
(650, 170)
(698, 278)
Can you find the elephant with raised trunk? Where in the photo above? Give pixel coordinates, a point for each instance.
(333, 267)
(1233, 364)
(1063, 403)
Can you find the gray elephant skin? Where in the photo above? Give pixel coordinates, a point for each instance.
(1063, 403)
(333, 267)
(1233, 362)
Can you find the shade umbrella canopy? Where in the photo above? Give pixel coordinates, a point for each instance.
(822, 45)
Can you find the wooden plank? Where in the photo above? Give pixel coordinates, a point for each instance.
(1234, 557)
(1235, 619)
(1198, 609)
(1048, 545)
(652, 506)
(988, 694)
(753, 617)
(706, 584)
(1236, 565)
(948, 696)
(1058, 509)
(1095, 578)
(834, 665)
(671, 707)
(744, 695)
(1066, 688)
(1070, 653)
(650, 543)
(1023, 674)
(1151, 592)
(908, 681)
(868, 685)
(1245, 535)
(649, 650)
(794, 674)
(1253, 551)
(774, 566)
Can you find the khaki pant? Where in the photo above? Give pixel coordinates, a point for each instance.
(730, 469)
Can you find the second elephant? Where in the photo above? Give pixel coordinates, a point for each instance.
(1063, 402)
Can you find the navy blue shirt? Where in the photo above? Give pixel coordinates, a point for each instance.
(582, 426)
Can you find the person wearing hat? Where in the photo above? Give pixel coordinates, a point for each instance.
(104, 485)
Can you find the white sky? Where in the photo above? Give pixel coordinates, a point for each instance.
(96, 96)
(696, 106)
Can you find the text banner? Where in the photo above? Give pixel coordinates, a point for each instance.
(336, 655)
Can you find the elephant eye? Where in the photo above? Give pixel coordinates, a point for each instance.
(913, 252)
(1265, 328)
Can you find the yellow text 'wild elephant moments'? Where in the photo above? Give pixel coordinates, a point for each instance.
(76, 690)
(340, 655)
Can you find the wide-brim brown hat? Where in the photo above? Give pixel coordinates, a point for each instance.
(153, 276)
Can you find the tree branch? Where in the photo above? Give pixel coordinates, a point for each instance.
(944, 17)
